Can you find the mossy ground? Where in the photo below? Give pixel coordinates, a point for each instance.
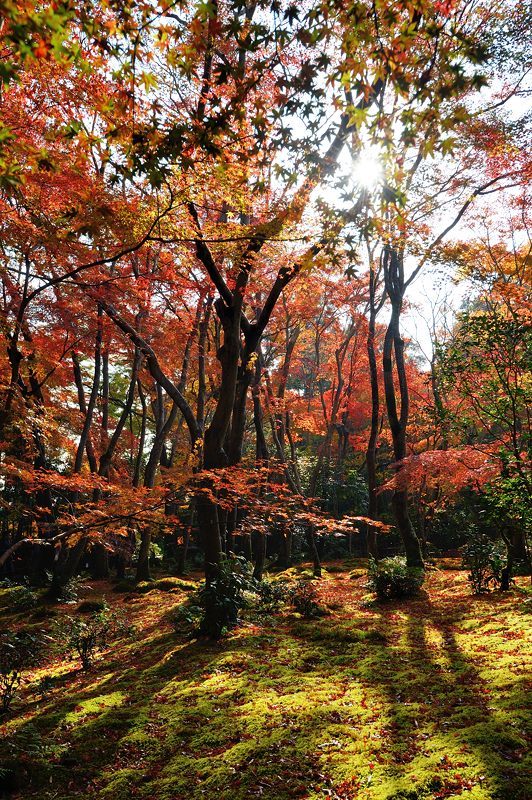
(399, 701)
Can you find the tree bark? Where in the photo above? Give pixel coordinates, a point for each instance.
(393, 344)
(371, 450)
(93, 396)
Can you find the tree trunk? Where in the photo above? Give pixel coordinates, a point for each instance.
(261, 447)
(99, 562)
(183, 550)
(164, 427)
(143, 562)
(64, 572)
(315, 555)
(93, 397)
(371, 450)
(285, 553)
(260, 556)
(393, 343)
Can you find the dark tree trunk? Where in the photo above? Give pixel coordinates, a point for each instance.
(315, 554)
(183, 549)
(164, 427)
(67, 568)
(285, 551)
(261, 448)
(260, 556)
(393, 344)
(93, 397)
(91, 457)
(371, 451)
(105, 391)
(99, 562)
(143, 563)
(106, 458)
(142, 437)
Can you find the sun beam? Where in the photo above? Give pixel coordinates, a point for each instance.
(367, 168)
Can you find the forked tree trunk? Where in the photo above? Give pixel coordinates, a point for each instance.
(394, 350)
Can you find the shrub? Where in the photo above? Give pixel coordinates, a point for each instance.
(391, 577)
(91, 606)
(27, 756)
(168, 584)
(485, 559)
(186, 618)
(303, 597)
(223, 597)
(67, 592)
(18, 652)
(271, 595)
(88, 636)
(45, 686)
(22, 598)
(125, 586)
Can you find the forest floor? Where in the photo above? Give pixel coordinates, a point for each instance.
(402, 700)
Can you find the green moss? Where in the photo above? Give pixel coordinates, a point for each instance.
(337, 632)
(411, 701)
(168, 584)
(119, 783)
(94, 706)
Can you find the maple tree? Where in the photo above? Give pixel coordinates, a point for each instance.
(172, 260)
(223, 224)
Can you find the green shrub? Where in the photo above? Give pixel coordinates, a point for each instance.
(186, 618)
(303, 597)
(44, 687)
(67, 592)
(485, 559)
(223, 597)
(22, 598)
(18, 652)
(391, 577)
(168, 584)
(126, 586)
(271, 595)
(27, 757)
(87, 636)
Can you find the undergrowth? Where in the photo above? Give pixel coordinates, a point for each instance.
(407, 700)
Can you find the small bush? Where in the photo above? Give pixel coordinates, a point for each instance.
(91, 606)
(87, 637)
(223, 597)
(65, 593)
(392, 578)
(42, 614)
(485, 560)
(186, 618)
(271, 595)
(303, 597)
(45, 686)
(125, 586)
(18, 652)
(168, 584)
(22, 598)
(26, 757)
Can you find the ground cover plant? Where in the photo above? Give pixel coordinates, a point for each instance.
(265, 398)
(424, 698)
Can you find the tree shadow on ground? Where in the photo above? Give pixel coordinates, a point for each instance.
(278, 712)
(441, 710)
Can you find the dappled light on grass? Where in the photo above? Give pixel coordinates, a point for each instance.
(372, 701)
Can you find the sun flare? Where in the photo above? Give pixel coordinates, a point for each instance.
(367, 168)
